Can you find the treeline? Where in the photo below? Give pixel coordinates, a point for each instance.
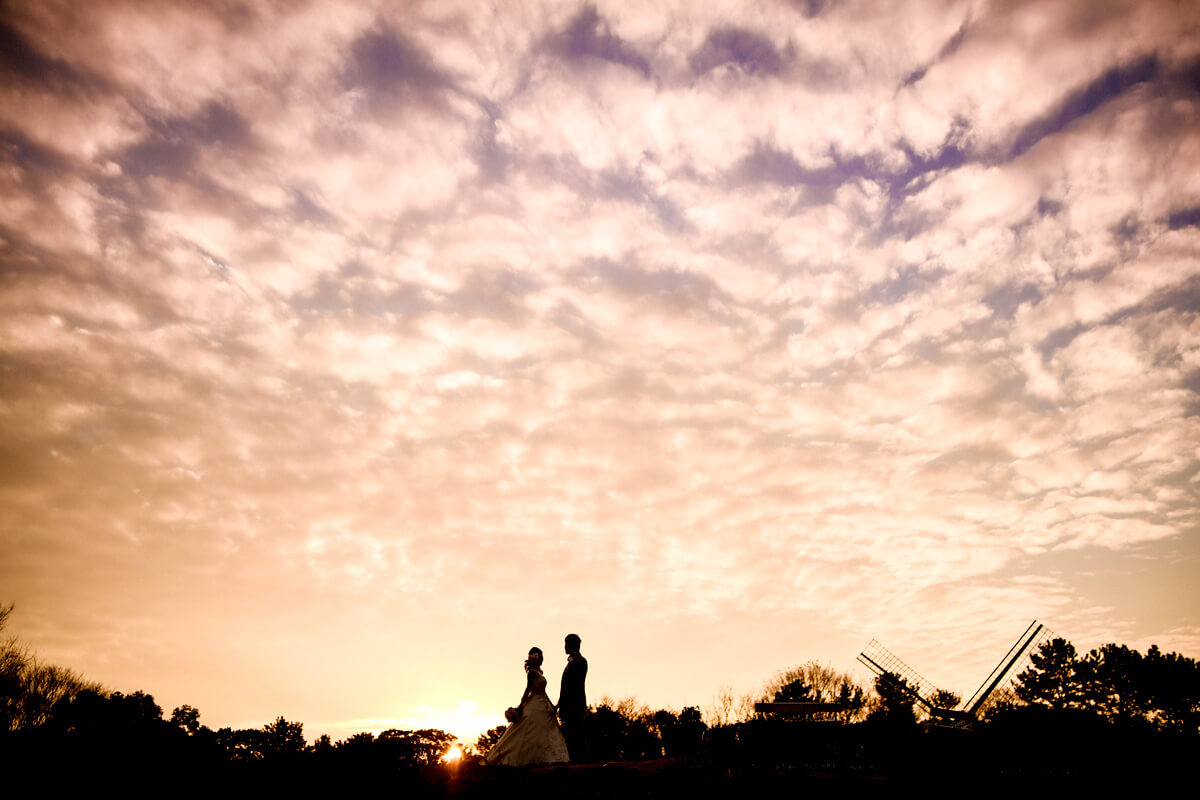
(106, 736)
(625, 730)
(30, 688)
(1068, 716)
(1114, 717)
(1155, 690)
(67, 729)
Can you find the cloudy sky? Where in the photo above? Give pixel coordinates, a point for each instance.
(348, 350)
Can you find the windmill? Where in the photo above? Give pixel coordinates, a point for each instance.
(996, 686)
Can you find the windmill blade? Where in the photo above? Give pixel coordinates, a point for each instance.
(998, 684)
(882, 661)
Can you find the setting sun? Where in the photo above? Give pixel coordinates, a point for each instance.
(453, 755)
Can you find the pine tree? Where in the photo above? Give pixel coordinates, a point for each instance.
(1053, 679)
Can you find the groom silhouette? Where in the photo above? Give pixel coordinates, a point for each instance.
(572, 702)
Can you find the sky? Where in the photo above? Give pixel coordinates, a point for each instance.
(347, 350)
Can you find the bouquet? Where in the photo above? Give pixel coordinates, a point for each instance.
(512, 714)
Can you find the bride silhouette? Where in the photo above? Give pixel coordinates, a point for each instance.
(532, 736)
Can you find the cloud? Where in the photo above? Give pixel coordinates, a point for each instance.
(749, 51)
(589, 37)
(391, 69)
(449, 330)
(1084, 101)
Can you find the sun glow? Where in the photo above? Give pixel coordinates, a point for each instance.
(453, 755)
(466, 721)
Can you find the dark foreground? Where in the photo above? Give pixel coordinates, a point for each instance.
(1028, 754)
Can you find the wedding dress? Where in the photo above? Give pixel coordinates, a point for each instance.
(535, 737)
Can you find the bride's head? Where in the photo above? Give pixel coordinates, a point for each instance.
(535, 658)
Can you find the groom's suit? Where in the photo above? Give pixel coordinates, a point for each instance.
(572, 704)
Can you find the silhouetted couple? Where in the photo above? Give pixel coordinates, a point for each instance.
(534, 735)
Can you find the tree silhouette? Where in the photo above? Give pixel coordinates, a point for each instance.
(93, 729)
(1174, 688)
(810, 681)
(1118, 683)
(816, 682)
(681, 734)
(282, 738)
(30, 689)
(944, 699)
(1112, 681)
(728, 708)
(852, 698)
(605, 733)
(322, 745)
(359, 743)
(425, 746)
(244, 744)
(796, 691)
(488, 739)
(1052, 680)
(13, 659)
(187, 719)
(896, 700)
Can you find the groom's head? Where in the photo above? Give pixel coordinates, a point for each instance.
(572, 643)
